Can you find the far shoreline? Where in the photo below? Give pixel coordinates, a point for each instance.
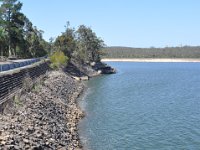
(150, 60)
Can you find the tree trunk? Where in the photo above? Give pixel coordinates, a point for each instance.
(9, 50)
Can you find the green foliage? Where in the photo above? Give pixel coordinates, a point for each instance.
(27, 83)
(36, 88)
(17, 101)
(89, 45)
(58, 59)
(18, 37)
(3, 41)
(82, 44)
(66, 42)
(36, 45)
(167, 52)
(12, 22)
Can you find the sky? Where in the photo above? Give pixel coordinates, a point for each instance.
(131, 23)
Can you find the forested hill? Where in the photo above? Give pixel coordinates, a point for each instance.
(168, 52)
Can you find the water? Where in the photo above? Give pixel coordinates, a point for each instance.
(143, 106)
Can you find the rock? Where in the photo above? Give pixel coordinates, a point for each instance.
(4, 137)
(39, 135)
(104, 68)
(38, 147)
(77, 78)
(5, 128)
(62, 148)
(84, 78)
(48, 119)
(11, 142)
(99, 72)
(3, 143)
(92, 64)
(30, 129)
(26, 141)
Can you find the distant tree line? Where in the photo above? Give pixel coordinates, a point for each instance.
(19, 38)
(168, 52)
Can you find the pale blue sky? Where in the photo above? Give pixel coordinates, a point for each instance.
(133, 23)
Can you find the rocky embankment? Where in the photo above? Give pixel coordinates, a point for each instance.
(86, 71)
(46, 117)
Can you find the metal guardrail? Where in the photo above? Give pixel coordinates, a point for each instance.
(14, 65)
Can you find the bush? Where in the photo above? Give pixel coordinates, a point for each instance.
(58, 59)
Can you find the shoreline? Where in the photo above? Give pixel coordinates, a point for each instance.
(150, 60)
(45, 117)
(47, 114)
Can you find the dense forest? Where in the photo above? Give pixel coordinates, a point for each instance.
(167, 52)
(20, 39)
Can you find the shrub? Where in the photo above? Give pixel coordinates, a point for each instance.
(58, 59)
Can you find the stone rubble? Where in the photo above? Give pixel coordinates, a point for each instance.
(45, 117)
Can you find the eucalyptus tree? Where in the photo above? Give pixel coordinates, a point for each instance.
(12, 20)
(36, 45)
(3, 42)
(88, 44)
(66, 42)
(50, 45)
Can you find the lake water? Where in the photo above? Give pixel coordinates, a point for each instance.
(144, 106)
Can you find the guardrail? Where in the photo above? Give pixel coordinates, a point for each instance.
(14, 65)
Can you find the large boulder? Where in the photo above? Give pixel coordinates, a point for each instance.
(103, 68)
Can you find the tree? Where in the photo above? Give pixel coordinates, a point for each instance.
(3, 39)
(18, 36)
(66, 42)
(36, 45)
(12, 20)
(89, 45)
(50, 48)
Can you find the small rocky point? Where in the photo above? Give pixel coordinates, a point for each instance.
(46, 117)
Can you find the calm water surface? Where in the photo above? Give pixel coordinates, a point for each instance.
(143, 106)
